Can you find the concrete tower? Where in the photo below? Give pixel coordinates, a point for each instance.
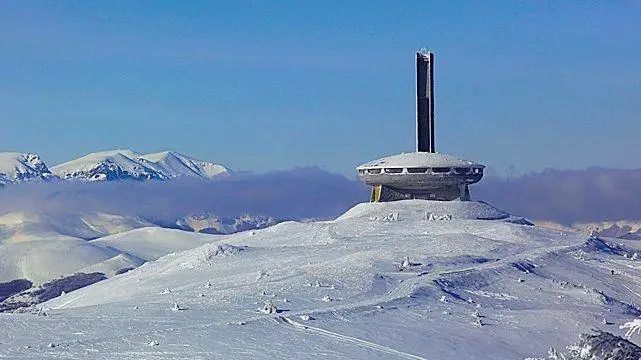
(425, 102)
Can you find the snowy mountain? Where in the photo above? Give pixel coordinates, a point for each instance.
(212, 224)
(409, 280)
(622, 229)
(38, 250)
(175, 165)
(130, 165)
(23, 226)
(42, 247)
(19, 167)
(151, 243)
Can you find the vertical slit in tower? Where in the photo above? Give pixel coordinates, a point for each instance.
(425, 102)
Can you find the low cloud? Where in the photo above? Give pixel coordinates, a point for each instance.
(564, 196)
(295, 194)
(567, 196)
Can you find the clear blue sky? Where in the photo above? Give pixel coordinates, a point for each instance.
(272, 84)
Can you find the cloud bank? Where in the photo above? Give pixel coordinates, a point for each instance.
(567, 196)
(563, 196)
(295, 194)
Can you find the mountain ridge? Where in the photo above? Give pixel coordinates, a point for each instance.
(110, 165)
(18, 167)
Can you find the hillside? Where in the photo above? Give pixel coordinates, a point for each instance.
(622, 229)
(41, 248)
(410, 279)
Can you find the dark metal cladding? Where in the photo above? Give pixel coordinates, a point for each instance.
(425, 102)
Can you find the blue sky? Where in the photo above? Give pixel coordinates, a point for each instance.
(521, 86)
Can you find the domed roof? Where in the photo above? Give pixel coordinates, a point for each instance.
(420, 159)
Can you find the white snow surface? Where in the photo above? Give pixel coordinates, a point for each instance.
(419, 159)
(128, 164)
(23, 226)
(41, 247)
(151, 243)
(22, 167)
(467, 289)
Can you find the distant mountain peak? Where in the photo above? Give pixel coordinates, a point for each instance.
(18, 167)
(124, 164)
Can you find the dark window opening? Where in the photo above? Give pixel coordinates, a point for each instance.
(462, 170)
(393, 170)
(417, 170)
(441, 170)
(374, 171)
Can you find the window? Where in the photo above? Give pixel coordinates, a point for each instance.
(393, 170)
(440, 170)
(419, 170)
(374, 171)
(361, 171)
(462, 170)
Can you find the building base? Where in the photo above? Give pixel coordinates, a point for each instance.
(382, 193)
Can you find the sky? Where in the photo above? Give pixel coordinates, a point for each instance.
(521, 86)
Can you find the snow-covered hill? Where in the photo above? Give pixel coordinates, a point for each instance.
(19, 167)
(212, 224)
(130, 165)
(27, 226)
(44, 258)
(151, 243)
(622, 229)
(41, 248)
(407, 280)
(42, 261)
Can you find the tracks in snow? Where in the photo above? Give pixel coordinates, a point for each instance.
(406, 287)
(345, 338)
(403, 290)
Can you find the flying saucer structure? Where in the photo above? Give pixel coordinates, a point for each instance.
(424, 174)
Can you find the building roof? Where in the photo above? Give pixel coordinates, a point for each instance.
(419, 159)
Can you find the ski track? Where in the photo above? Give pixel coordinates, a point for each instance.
(344, 338)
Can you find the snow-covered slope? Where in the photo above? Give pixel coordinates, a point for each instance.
(19, 167)
(407, 280)
(42, 261)
(130, 165)
(151, 243)
(42, 247)
(175, 165)
(27, 226)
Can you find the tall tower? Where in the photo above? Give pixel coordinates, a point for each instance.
(425, 102)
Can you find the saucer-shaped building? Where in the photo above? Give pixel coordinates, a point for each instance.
(424, 174)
